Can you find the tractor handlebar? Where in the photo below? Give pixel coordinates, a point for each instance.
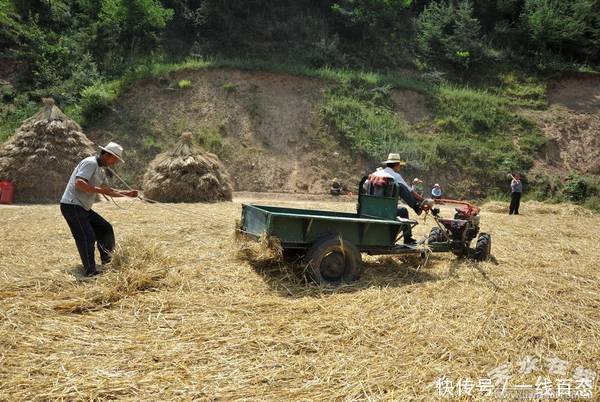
(468, 208)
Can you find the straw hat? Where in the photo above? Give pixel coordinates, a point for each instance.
(394, 158)
(417, 180)
(114, 149)
(436, 185)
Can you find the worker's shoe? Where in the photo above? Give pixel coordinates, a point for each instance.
(410, 240)
(92, 273)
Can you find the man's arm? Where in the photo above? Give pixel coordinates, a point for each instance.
(83, 185)
(417, 196)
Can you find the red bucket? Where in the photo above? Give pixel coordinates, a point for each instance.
(7, 192)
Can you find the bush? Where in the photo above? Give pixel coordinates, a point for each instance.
(184, 84)
(97, 98)
(592, 203)
(566, 27)
(576, 188)
(450, 34)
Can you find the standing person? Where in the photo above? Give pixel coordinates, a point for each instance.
(516, 188)
(436, 192)
(417, 186)
(87, 227)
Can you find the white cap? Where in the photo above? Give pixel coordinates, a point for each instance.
(114, 149)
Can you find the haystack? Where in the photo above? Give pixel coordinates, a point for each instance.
(187, 173)
(41, 155)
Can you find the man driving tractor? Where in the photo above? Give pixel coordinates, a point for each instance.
(393, 165)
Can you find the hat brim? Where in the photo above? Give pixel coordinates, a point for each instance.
(112, 153)
(402, 163)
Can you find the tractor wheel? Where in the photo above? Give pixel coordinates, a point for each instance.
(483, 249)
(436, 236)
(333, 260)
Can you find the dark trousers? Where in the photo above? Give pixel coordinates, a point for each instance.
(515, 201)
(407, 230)
(402, 212)
(88, 228)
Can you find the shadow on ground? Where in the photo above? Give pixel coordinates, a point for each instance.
(291, 279)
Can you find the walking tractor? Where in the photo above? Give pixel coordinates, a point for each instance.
(331, 243)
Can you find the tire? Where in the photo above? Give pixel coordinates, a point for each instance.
(436, 236)
(333, 260)
(483, 249)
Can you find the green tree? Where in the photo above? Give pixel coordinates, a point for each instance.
(448, 33)
(571, 28)
(378, 30)
(128, 28)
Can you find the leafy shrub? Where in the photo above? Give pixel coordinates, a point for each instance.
(229, 87)
(184, 84)
(97, 98)
(576, 188)
(567, 27)
(449, 33)
(593, 203)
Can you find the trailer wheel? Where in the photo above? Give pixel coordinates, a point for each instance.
(436, 236)
(333, 260)
(483, 249)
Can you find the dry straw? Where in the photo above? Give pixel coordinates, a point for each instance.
(41, 155)
(136, 266)
(187, 173)
(219, 328)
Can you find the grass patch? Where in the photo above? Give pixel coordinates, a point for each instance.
(470, 111)
(184, 84)
(476, 136)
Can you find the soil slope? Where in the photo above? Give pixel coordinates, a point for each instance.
(572, 125)
(266, 127)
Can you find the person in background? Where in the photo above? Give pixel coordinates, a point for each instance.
(516, 189)
(417, 186)
(336, 187)
(436, 192)
(87, 227)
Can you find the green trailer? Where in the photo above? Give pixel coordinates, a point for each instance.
(331, 242)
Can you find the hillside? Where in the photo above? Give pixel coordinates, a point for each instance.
(270, 129)
(264, 126)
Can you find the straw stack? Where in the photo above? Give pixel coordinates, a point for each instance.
(41, 155)
(187, 173)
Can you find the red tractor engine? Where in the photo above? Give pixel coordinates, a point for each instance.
(460, 231)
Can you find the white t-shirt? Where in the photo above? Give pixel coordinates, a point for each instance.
(397, 177)
(89, 170)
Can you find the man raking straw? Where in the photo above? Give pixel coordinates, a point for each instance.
(89, 228)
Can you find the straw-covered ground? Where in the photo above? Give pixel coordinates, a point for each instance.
(180, 316)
